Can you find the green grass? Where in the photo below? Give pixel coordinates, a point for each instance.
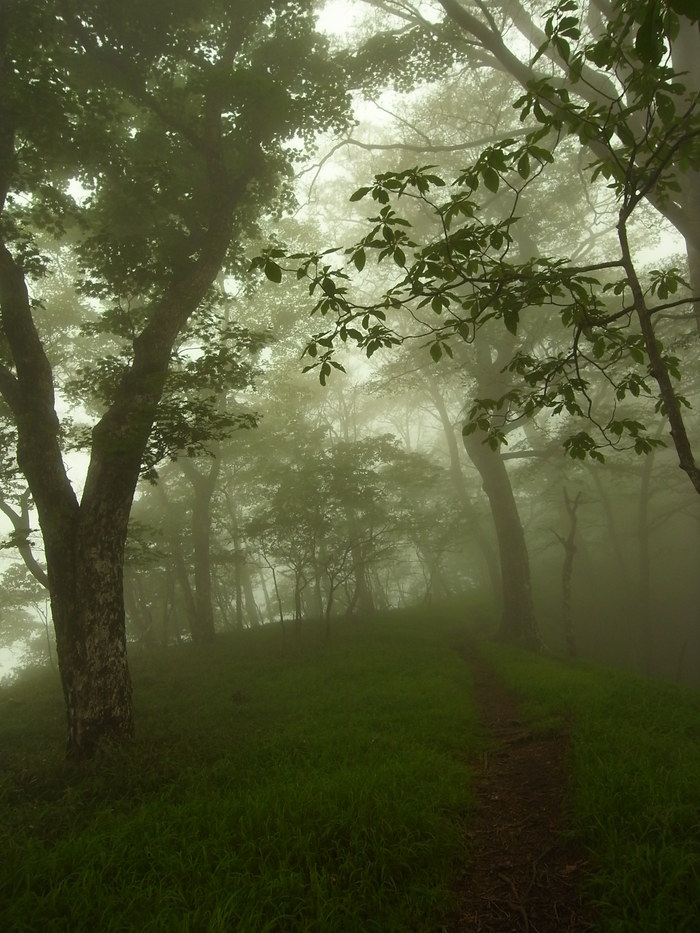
(635, 763)
(324, 787)
(318, 787)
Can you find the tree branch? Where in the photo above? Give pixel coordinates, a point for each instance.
(22, 528)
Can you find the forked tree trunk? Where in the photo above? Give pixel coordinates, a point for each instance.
(85, 560)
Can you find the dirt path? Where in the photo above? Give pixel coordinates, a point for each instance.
(525, 875)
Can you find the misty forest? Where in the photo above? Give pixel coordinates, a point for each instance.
(350, 514)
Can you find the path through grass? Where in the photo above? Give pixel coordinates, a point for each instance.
(635, 762)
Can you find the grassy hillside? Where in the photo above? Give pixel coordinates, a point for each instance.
(324, 787)
(319, 787)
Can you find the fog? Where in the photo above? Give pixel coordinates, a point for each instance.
(349, 494)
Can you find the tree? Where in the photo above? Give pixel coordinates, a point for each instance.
(173, 118)
(462, 276)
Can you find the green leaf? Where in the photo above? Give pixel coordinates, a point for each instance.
(524, 166)
(359, 194)
(665, 108)
(273, 271)
(563, 47)
(359, 259)
(436, 351)
(649, 43)
(491, 179)
(511, 319)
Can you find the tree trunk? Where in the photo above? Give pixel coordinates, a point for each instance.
(87, 604)
(645, 565)
(686, 60)
(569, 545)
(485, 547)
(251, 607)
(518, 615)
(362, 597)
(203, 485)
(178, 561)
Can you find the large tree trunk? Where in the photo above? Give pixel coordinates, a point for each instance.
(518, 614)
(85, 559)
(88, 613)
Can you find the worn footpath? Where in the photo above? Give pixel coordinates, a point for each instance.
(525, 873)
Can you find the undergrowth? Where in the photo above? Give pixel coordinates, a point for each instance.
(635, 764)
(298, 786)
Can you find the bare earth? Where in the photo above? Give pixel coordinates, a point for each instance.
(525, 873)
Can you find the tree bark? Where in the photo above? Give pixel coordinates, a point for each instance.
(657, 364)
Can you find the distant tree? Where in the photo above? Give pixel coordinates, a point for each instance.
(173, 118)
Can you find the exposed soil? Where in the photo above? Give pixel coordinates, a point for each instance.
(525, 874)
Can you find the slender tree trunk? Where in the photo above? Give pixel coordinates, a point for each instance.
(180, 568)
(238, 561)
(269, 610)
(203, 485)
(362, 597)
(22, 529)
(657, 363)
(251, 607)
(485, 546)
(645, 568)
(168, 605)
(518, 615)
(569, 545)
(612, 529)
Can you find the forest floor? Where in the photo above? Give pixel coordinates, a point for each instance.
(526, 872)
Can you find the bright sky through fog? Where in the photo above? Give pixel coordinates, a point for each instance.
(338, 16)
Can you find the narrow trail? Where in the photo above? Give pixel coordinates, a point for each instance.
(525, 874)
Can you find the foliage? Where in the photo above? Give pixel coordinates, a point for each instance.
(466, 271)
